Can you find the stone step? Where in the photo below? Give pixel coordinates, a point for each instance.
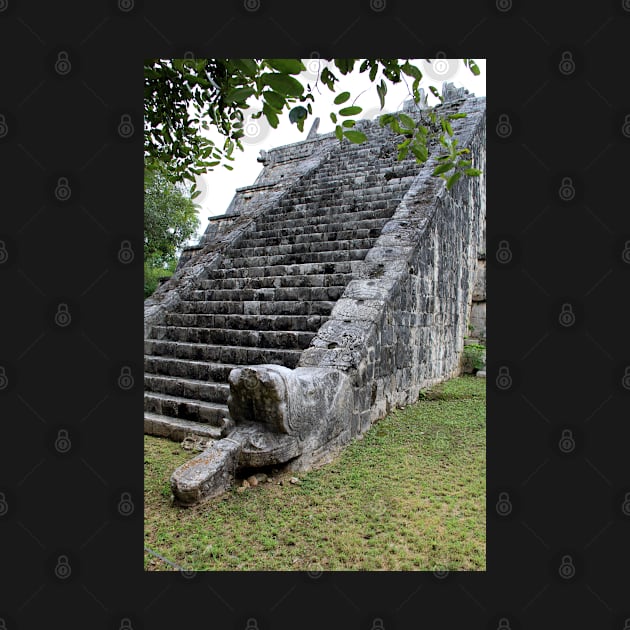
(304, 218)
(322, 206)
(341, 171)
(335, 179)
(195, 370)
(285, 307)
(295, 259)
(277, 282)
(237, 355)
(298, 269)
(293, 249)
(371, 226)
(185, 408)
(287, 339)
(342, 194)
(304, 294)
(187, 388)
(177, 429)
(310, 323)
(276, 238)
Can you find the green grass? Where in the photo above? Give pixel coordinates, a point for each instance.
(409, 496)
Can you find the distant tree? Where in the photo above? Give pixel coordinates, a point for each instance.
(183, 97)
(170, 219)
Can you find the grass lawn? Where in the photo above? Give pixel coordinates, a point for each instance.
(411, 495)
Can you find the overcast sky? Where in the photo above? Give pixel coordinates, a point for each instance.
(218, 186)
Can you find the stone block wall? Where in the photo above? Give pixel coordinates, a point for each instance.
(400, 326)
(477, 319)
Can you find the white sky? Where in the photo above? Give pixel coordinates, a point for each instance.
(218, 186)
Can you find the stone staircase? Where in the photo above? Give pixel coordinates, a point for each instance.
(273, 290)
(333, 289)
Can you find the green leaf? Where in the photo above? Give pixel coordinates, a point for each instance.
(373, 71)
(240, 94)
(270, 114)
(449, 129)
(407, 121)
(420, 151)
(345, 65)
(350, 111)
(348, 123)
(297, 113)
(333, 117)
(402, 152)
(473, 172)
(246, 66)
(342, 98)
(341, 64)
(381, 91)
(443, 168)
(394, 125)
(287, 66)
(436, 93)
(283, 84)
(415, 91)
(195, 194)
(474, 68)
(339, 132)
(411, 71)
(328, 79)
(458, 115)
(392, 72)
(385, 119)
(357, 137)
(452, 179)
(275, 100)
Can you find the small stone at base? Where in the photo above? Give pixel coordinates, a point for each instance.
(481, 374)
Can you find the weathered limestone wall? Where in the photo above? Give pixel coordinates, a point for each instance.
(400, 327)
(477, 319)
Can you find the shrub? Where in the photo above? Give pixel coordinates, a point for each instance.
(474, 356)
